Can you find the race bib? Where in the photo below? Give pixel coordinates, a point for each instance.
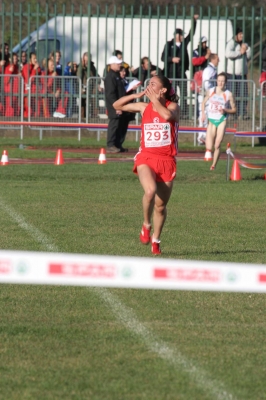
(157, 135)
(215, 107)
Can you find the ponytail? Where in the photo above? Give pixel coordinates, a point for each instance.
(170, 91)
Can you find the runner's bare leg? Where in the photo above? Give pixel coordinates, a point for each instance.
(217, 143)
(149, 185)
(164, 190)
(210, 136)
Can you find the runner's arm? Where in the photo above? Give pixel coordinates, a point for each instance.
(170, 113)
(231, 110)
(123, 104)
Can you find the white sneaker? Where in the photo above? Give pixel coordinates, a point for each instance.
(201, 141)
(55, 114)
(59, 115)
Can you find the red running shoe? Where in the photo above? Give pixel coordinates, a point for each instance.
(155, 248)
(145, 235)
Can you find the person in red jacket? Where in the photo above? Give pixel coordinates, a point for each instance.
(32, 69)
(52, 89)
(155, 163)
(12, 88)
(4, 60)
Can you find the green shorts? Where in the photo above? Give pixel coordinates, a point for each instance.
(217, 122)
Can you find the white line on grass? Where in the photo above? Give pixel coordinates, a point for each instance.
(34, 232)
(214, 388)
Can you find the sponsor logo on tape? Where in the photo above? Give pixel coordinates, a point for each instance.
(262, 278)
(5, 267)
(92, 270)
(22, 267)
(188, 275)
(127, 272)
(232, 276)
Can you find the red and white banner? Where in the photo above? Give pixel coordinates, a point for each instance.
(244, 163)
(129, 272)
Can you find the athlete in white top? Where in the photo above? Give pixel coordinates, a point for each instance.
(220, 103)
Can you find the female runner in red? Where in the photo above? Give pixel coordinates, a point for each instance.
(155, 163)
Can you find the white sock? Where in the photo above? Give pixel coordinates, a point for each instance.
(147, 226)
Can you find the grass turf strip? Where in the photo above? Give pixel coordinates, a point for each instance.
(65, 342)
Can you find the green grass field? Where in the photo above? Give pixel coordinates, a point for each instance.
(87, 343)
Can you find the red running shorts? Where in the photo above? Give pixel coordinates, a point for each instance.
(165, 169)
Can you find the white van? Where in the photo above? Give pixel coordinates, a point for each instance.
(135, 37)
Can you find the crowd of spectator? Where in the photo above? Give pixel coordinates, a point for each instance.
(61, 98)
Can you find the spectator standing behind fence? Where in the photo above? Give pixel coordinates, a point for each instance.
(128, 115)
(146, 70)
(176, 62)
(72, 88)
(56, 57)
(238, 53)
(23, 59)
(263, 70)
(209, 74)
(2, 69)
(12, 87)
(119, 55)
(5, 52)
(5, 59)
(54, 100)
(118, 120)
(86, 70)
(31, 69)
(200, 60)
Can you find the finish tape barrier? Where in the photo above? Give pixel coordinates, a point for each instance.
(20, 267)
(244, 163)
(91, 126)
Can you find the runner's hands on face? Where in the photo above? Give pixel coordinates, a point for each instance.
(150, 93)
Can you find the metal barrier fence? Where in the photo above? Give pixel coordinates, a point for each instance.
(11, 100)
(263, 106)
(61, 98)
(244, 92)
(52, 98)
(136, 31)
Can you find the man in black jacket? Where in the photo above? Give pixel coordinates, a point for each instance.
(176, 62)
(146, 70)
(118, 121)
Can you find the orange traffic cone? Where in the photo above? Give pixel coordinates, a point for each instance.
(4, 159)
(59, 160)
(235, 173)
(208, 155)
(102, 156)
(264, 176)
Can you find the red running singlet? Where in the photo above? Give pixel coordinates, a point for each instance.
(158, 136)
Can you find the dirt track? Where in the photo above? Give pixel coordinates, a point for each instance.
(126, 157)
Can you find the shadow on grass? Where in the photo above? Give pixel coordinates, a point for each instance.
(176, 254)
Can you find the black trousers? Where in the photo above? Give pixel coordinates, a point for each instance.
(117, 130)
